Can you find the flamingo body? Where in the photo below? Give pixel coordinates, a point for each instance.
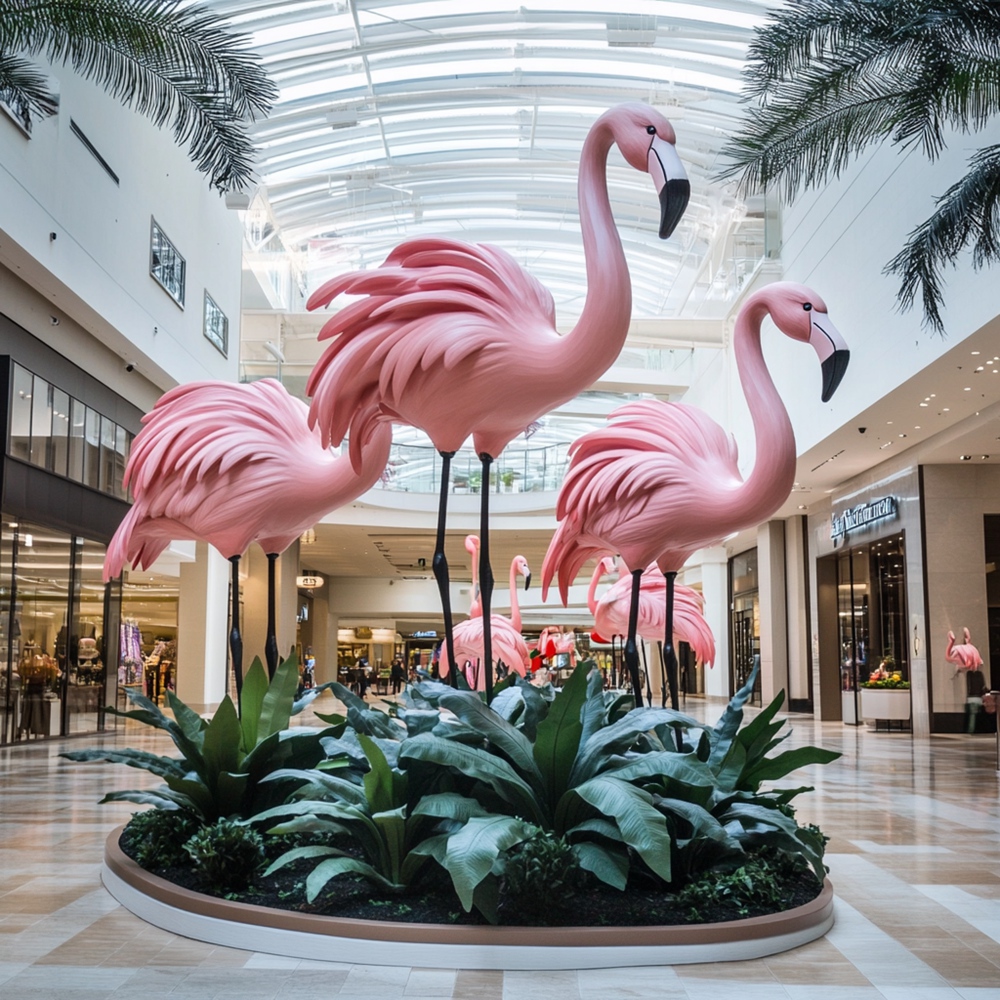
(229, 464)
(964, 655)
(661, 480)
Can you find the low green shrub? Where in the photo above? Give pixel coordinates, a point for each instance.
(758, 882)
(156, 837)
(226, 854)
(538, 881)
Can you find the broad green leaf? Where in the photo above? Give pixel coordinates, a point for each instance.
(608, 864)
(558, 736)
(194, 789)
(480, 766)
(317, 879)
(536, 706)
(758, 733)
(190, 722)
(291, 748)
(163, 799)
(596, 824)
(276, 708)
(296, 853)
(309, 696)
(160, 766)
(221, 748)
(486, 897)
(773, 768)
(593, 715)
(320, 785)
(643, 827)
(732, 767)
(307, 824)
(448, 805)
(473, 849)
(729, 721)
(685, 768)
(511, 742)
(230, 792)
(255, 685)
(392, 826)
(149, 714)
(701, 821)
(378, 781)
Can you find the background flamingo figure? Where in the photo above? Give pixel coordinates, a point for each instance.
(661, 480)
(964, 655)
(457, 339)
(229, 464)
(509, 647)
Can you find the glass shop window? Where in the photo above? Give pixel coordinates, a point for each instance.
(166, 265)
(77, 449)
(19, 445)
(41, 423)
(59, 450)
(108, 430)
(92, 449)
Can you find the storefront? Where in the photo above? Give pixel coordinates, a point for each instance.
(66, 440)
(744, 620)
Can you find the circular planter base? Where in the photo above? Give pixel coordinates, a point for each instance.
(374, 942)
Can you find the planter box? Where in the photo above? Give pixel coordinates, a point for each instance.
(885, 703)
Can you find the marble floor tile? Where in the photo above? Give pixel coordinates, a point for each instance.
(914, 827)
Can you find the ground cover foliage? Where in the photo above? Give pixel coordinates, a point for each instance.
(547, 806)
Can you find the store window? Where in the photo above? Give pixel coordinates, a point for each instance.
(745, 620)
(166, 265)
(216, 325)
(147, 661)
(54, 431)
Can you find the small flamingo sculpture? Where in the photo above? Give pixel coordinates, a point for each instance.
(553, 640)
(475, 604)
(661, 480)
(458, 340)
(230, 464)
(964, 655)
(611, 609)
(509, 648)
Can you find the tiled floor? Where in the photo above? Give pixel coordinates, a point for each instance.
(914, 857)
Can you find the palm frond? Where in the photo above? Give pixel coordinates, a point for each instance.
(25, 90)
(967, 212)
(173, 63)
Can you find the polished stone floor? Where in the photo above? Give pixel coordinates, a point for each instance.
(914, 858)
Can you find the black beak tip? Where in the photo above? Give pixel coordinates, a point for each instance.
(527, 581)
(674, 198)
(833, 372)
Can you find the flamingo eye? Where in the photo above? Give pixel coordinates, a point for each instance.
(807, 306)
(651, 129)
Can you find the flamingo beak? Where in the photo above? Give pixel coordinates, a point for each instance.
(671, 182)
(527, 580)
(832, 350)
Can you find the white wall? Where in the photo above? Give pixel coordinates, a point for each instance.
(96, 270)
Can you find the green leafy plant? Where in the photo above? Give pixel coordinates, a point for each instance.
(757, 882)
(226, 854)
(538, 881)
(155, 837)
(223, 760)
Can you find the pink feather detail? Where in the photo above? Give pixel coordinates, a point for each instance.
(964, 655)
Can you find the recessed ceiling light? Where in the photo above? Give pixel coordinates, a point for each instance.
(902, 435)
(968, 388)
(888, 421)
(917, 428)
(924, 404)
(980, 368)
(947, 409)
(932, 395)
(882, 447)
(802, 506)
(984, 457)
(975, 352)
(964, 458)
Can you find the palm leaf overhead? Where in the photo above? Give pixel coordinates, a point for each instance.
(176, 64)
(827, 79)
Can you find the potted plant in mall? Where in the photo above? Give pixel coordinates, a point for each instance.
(885, 695)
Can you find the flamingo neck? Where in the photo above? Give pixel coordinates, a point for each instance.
(596, 340)
(592, 591)
(773, 473)
(515, 608)
(475, 603)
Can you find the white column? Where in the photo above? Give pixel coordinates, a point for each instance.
(255, 601)
(773, 628)
(202, 617)
(796, 610)
(715, 588)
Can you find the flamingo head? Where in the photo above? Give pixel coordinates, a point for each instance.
(800, 313)
(521, 565)
(472, 545)
(647, 140)
(607, 565)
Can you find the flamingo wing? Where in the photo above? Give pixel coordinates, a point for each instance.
(424, 289)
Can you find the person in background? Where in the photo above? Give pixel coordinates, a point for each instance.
(397, 674)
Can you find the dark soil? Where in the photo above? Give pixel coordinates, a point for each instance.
(434, 901)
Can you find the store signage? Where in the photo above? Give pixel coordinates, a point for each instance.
(862, 516)
(424, 635)
(309, 582)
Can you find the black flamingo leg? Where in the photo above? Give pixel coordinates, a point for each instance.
(271, 642)
(663, 677)
(440, 567)
(235, 639)
(670, 658)
(486, 575)
(631, 651)
(645, 671)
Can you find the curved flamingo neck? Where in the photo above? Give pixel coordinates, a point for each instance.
(596, 340)
(592, 590)
(475, 603)
(773, 475)
(515, 608)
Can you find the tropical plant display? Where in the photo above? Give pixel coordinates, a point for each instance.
(528, 803)
(892, 683)
(176, 63)
(828, 79)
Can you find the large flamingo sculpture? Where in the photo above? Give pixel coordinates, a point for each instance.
(964, 655)
(458, 340)
(611, 610)
(230, 464)
(661, 480)
(509, 647)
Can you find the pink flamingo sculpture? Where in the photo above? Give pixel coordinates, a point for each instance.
(457, 339)
(964, 655)
(611, 610)
(475, 603)
(552, 641)
(661, 480)
(229, 464)
(510, 647)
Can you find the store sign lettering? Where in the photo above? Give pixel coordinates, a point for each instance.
(309, 582)
(424, 635)
(862, 516)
